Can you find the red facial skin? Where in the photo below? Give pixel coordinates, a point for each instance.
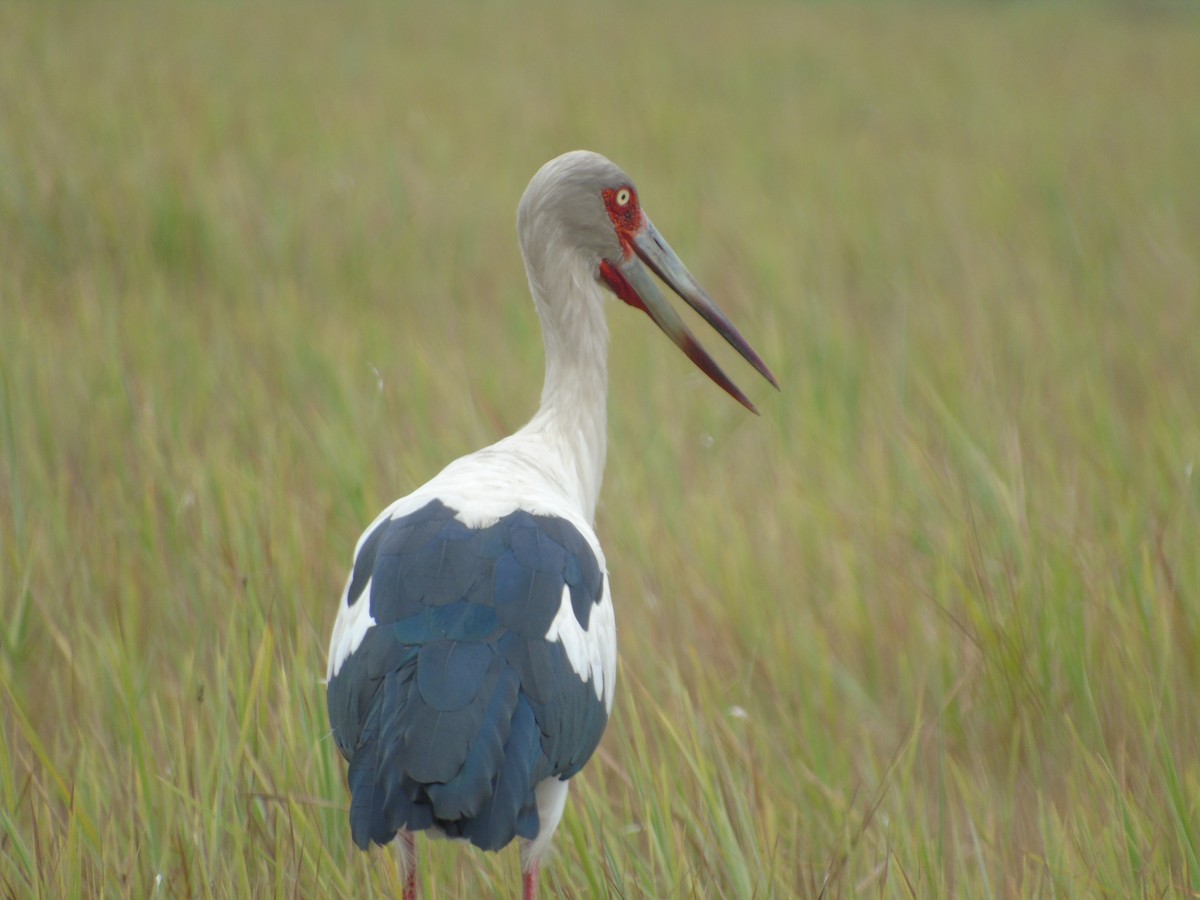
(627, 221)
(626, 217)
(616, 282)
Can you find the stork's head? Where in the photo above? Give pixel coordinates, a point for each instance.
(581, 208)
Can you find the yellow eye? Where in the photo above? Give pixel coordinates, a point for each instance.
(623, 196)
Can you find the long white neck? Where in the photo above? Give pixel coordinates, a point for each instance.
(572, 419)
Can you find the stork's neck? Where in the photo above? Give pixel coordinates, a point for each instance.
(572, 419)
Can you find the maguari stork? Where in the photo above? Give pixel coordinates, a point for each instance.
(474, 657)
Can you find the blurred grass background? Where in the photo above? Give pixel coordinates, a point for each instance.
(928, 628)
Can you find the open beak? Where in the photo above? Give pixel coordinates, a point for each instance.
(631, 281)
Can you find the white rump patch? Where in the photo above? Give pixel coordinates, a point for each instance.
(592, 652)
(350, 628)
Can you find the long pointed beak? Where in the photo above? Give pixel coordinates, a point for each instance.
(631, 281)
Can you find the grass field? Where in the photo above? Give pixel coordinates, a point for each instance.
(929, 627)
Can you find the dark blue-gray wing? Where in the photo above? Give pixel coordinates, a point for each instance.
(456, 704)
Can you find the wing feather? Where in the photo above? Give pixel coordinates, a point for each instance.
(456, 704)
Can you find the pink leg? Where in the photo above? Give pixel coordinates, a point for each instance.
(531, 882)
(408, 857)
